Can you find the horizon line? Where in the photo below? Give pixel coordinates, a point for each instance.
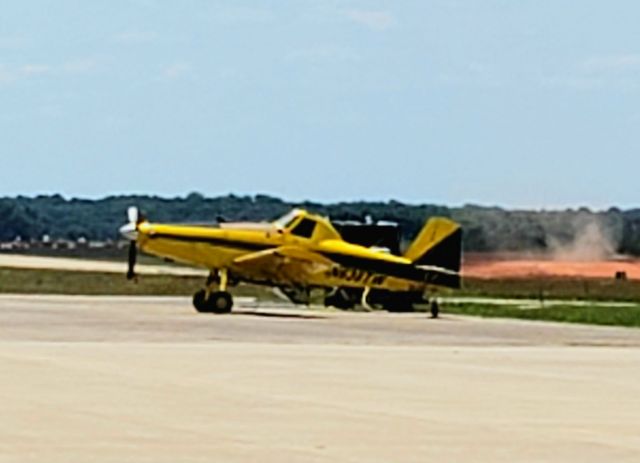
(326, 202)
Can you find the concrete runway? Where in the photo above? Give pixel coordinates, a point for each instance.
(123, 379)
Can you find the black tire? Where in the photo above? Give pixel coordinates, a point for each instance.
(220, 302)
(200, 301)
(435, 309)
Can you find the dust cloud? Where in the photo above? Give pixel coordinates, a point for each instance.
(592, 241)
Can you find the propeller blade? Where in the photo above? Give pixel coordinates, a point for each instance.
(133, 214)
(133, 254)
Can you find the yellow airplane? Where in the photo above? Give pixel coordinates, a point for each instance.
(300, 252)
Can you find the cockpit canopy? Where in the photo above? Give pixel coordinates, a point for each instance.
(287, 220)
(302, 224)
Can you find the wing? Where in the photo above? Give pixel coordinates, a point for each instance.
(284, 264)
(296, 265)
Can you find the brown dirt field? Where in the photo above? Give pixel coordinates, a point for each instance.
(476, 265)
(513, 266)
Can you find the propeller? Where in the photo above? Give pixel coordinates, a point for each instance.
(133, 214)
(130, 231)
(133, 254)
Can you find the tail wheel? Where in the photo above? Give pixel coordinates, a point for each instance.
(435, 308)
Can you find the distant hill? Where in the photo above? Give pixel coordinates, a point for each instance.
(487, 229)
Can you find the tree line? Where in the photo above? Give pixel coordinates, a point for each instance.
(486, 229)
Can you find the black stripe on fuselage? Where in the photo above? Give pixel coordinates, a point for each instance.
(398, 270)
(245, 245)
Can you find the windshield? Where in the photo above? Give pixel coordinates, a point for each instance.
(286, 220)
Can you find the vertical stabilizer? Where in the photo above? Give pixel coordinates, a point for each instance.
(439, 244)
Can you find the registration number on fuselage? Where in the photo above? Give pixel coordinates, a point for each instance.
(354, 275)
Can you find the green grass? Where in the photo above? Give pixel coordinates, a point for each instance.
(27, 281)
(606, 289)
(553, 288)
(615, 316)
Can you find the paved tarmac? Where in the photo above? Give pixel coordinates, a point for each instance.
(126, 379)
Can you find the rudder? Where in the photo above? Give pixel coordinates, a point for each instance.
(439, 244)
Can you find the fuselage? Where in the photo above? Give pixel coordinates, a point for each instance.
(343, 264)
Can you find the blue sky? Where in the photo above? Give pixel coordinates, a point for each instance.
(531, 103)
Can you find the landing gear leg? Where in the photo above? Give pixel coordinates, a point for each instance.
(209, 301)
(365, 295)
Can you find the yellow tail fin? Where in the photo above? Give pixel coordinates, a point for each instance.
(439, 244)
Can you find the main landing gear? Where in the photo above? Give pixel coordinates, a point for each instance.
(209, 301)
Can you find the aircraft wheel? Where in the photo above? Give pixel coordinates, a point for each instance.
(435, 309)
(200, 301)
(220, 302)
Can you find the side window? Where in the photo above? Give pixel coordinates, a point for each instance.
(304, 229)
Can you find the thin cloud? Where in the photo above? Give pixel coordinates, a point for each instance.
(597, 72)
(81, 66)
(34, 69)
(373, 19)
(18, 73)
(177, 70)
(613, 63)
(472, 73)
(6, 76)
